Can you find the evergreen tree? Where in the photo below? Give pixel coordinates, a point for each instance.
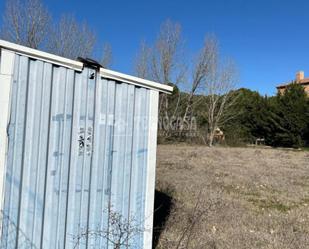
(291, 122)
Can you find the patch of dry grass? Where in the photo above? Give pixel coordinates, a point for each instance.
(247, 197)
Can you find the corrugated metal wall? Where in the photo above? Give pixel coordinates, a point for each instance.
(77, 157)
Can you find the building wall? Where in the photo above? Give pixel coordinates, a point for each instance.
(306, 88)
(80, 149)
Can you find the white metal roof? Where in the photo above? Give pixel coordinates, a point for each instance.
(78, 66)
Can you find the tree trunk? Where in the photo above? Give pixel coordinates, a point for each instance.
(188, 111)
(211, 139)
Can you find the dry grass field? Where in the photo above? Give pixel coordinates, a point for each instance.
(232, 198)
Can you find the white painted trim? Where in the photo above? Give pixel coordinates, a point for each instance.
(6, 76)
(36, 54)
(151, 168)
(78, 66)
(106, 73)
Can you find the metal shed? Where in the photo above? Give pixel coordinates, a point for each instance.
(77, 153)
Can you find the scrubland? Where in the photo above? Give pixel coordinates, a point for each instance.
(231, 198)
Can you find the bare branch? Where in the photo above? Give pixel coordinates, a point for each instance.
(107, 56)
(142, 61)
(71, 39)
(163, 61)
(26, 23)
(167, 64)
(219, 96)
(119, 233)
(205, 60)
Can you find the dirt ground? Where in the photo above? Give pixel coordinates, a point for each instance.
(232, 198)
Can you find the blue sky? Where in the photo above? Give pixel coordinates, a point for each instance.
(269, 40)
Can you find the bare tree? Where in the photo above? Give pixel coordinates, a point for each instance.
(26, 23)
(163, 62)
(219, 96)
(202, 67)
(30, 24)
(167, 64)
(71, 39)
(165, 58)
(142, 61)
(107, 56)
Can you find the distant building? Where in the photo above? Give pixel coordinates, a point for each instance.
(300, 79)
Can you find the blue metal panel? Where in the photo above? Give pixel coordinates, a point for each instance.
(58, 158)
(103, 148)
(139, 158)
(77, 154)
